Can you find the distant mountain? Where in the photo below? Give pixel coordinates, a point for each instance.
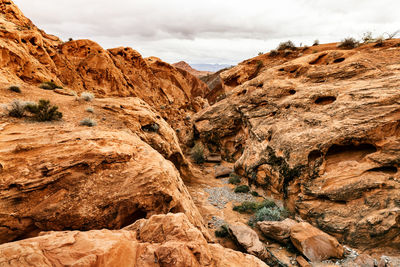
(210, 67)
(185, 66)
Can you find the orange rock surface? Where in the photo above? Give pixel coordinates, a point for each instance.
(186, 67)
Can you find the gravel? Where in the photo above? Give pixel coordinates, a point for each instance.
(216, 222)
(220, 196)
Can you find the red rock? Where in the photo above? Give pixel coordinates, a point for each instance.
(315, 244)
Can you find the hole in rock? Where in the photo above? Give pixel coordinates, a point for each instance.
(137, 215)
(338, 60)
(324, 100)
(281, 69)
(385, 169)
(23, 40)
(292, 92)
(32, 41)
(293, 71)
(317, 60)
(338, 153)
(314, 155)
(260, 85)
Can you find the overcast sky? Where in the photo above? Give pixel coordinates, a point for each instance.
(210, 31)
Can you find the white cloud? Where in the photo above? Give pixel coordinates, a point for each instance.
(210, 31)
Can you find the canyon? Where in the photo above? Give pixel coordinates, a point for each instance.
(311, 133)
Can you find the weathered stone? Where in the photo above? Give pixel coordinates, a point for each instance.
(277, 230)
(222, 171)
(313, 243)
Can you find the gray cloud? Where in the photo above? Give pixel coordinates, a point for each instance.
(210, 31)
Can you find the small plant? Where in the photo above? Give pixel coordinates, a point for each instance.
(90, 110)
(88, 122)
(316, 42)
(251, 206)
(50, 85)
(260, 53)
(222, 231)
(273, 53)
(43, 111)
(17, 109)
(87, 96)
(254, 193)
(15, 88)
(348, 43)
(288, 45)
(269, 214)
(197, 153)
(234, 178)
(242, 189)
(367, 37)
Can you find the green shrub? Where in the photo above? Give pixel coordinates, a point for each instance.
(17, 109)
(43, 111)
(273, 53)
(197, 153)
(348, 43)
(222, 231)
(87, 96)
(288, 45)
(88, 122)
(234, 178)
(251, 206)
(269, 214)
(254, 193)
(50, 85)
(15, 88)
(242, 189)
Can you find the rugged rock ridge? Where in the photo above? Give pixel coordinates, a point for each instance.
(185, 66)
(162, 240)
(30, 55)
(321, 132)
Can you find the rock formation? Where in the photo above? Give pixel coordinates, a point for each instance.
(162, 240)
(321, 132)
(186, 67)
(32, 56)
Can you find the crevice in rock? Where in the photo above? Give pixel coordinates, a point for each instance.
(137, 215)
(325, 100)
(338, 60)
(384, 169)
(317, 60)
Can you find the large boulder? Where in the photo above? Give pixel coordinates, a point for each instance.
(277, 230)
(162, 240)
(313, 243)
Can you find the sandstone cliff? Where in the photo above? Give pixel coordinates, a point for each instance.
(185, 66)
(320, 131)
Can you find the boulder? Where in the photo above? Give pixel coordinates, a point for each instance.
(277, 230)
(313, 243)
(222, 171)
(162, 240)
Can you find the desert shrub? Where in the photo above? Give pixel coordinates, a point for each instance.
(316, 42)
(367, 37)
(251, 206)
(15, 88)
(242, 189)
(90, 109)
(234, 178)
(269, 214)
(87, 96)
(222, 231)
(254, 193)
(288, 45)
(88, 122)
(49, 85)
(17, 109)
(348, 43)
(43, 111)
(392, 35)
(197, 153)
(260, 53)
(273, 53)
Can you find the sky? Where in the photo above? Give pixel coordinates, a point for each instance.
(211, 31)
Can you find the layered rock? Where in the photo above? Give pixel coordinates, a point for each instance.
(186, 67)
(58, 176)
(30, 55)
(162, 240)
(321, 132)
